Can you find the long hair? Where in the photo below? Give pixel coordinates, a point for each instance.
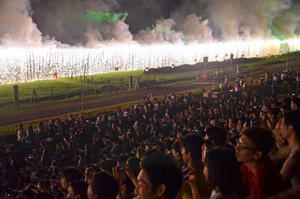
(224, 172)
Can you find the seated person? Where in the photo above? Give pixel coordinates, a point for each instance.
(103, 185)
(159, 178)
(258, 170)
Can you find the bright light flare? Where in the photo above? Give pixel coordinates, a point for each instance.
(24, 65)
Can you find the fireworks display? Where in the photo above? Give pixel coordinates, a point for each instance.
(23, 65)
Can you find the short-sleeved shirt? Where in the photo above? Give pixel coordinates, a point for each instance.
(266, 181)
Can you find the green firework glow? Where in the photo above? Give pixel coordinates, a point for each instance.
(104, 17)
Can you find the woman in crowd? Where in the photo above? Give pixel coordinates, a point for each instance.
(222, 173)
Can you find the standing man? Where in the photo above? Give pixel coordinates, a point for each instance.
(226, 82)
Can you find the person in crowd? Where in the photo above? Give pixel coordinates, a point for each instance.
(103, 185)
(159, 178)
(177, 156)
(191, 146)
(222, 172)
(78, 190)
(232, 122)
(20, 132)
(10, 175)
(290, 130)
(14, 163)
(295, 104)
(258, 170)
(70, 174)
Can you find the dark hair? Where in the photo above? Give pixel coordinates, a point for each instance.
(13, 157)
(80, 188)
(162, 169)
(293, 118)
(161, 147)
(261, 137)
(71, 174)
(29, 193)
(234, 120)
(296, 101)
(107, 165)
(217, 135)
(168, 145)
(43, 195)
(223, 170)
(151, 152)
(105, 185)
(192, 143)
(122, 159)
(176, 147)
(134, 163)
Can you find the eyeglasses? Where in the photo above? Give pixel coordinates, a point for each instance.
(239, 144)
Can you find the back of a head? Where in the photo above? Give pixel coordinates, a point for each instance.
(161, 147)
(293, 118)
(296, 101)
(107, 165)
(134, 163)
(29, 193)
(71, 174)
(168, 145)
(223, 170)
(44, 195)
(192, 143)
(104, 185)
(162, 169)
(261, 137)
(122, 159)
(80, 187)
(217, 135)
(151, 152)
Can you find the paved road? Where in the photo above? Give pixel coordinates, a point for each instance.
(40, 111)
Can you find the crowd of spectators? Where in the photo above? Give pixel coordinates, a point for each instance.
(174, 147)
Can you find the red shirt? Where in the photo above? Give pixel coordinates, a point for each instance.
(266, 181)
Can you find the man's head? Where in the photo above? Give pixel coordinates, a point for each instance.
(191, 147)
(103, 186)
(232, 122)
(295, 103)
(255, 144)
(176, 150)
(78, 190)
(159, 178)
(70, 174)
(290, 124)
(217, 135)
(12, 157)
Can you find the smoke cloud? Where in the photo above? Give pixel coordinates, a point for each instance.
(38, 23)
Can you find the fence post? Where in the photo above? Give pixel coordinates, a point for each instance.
(107, 86)
(67, 91)
(76, 77)
(130, 82)
(16, 95)
(80, 78)
(120, 86)
(92, 79)
(72, 76)
(82, 97)
(51, 93)
(95, 88)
